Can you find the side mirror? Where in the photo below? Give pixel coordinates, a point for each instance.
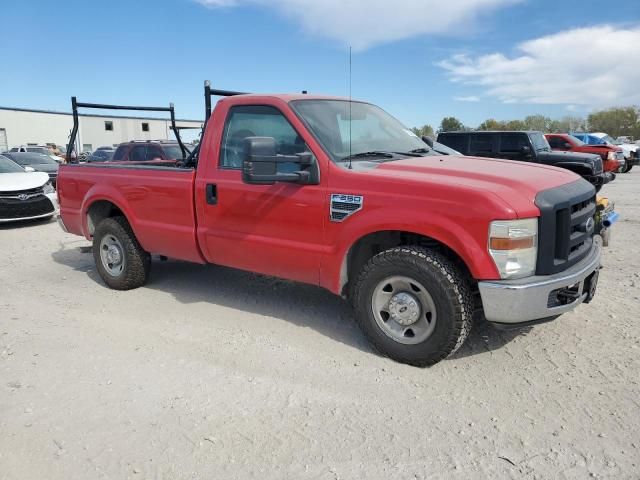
(567, 145)
(260, 164)
(29, 169)
(427, 140)
(525, 149)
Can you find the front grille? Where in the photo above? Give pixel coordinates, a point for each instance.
(32, 207)
(566, 226)
(29, 191)
(597, 166)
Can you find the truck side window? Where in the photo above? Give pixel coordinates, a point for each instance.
(258, 121)
(557, 143)
(513, 142)
(481, 143)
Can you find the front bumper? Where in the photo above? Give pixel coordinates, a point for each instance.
(36, 215)
(529, 299)
(600, 179)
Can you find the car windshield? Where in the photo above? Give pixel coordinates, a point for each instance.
(610, 140)
(42, 150)
(347, 129)
(540, 143)
(106, 154)
(32, 159)
(577, 141)
(8, 166)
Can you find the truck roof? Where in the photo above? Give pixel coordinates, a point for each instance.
(288, 97)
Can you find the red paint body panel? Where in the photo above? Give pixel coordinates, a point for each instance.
(602, 150)
(284, 229)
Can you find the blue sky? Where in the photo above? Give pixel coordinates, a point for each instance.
(419, 59)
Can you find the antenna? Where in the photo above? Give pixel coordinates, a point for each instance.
(350, 159)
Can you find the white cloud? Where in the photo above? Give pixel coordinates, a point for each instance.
(597, 67)
(470, 98)
(364, 23)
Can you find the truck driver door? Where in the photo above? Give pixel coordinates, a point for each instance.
(272, 229)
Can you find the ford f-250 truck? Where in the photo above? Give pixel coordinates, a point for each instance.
(339, 194)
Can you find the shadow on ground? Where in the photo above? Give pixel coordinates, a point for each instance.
(25, 224)
(303, 305)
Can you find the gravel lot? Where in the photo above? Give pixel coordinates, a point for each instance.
(209, 372)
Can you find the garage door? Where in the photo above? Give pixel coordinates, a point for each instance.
(3, 140)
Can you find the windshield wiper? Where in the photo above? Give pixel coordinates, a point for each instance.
(373, 153)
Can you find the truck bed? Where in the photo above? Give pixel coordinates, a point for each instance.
(157, 200)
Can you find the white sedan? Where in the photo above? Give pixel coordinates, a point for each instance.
(25, 195)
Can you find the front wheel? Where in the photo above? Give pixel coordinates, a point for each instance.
(413, 304)
(121, 261)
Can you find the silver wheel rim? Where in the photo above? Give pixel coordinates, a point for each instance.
(404, 310)
(112, 255)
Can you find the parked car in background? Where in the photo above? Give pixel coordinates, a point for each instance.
(526, 146)
(102, 154)
(631, 151)
(38, 162)
(147, 150)
(612, 156)
(44, 150)
(24, 195)
(439, 147)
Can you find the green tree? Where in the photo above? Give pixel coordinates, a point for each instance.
(451, 124)
(425, 130)
(515, 125)
(616, 122)
(537, 122)
(491, 124)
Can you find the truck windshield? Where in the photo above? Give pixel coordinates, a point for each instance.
(540, 143)
(356, 130)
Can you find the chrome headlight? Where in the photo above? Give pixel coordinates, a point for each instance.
(48, 188)
(513, 245)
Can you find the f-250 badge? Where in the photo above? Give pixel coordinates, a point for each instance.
(344, 205)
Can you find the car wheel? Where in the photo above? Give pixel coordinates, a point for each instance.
(413, 304)
(122, 263)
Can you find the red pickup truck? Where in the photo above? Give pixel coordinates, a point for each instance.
(339, 194)
(612, 157)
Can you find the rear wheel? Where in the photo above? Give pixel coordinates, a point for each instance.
(413, 304)
(121, 261)
(627, 168)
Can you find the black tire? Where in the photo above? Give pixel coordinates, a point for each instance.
(598, 188)
(447, 286)
(627, 168)
(137, 262)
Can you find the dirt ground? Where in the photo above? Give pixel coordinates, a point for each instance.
(211, 373)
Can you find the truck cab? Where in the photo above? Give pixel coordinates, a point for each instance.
(339, 194)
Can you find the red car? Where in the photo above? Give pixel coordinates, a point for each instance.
(612, 157)
(339, 194)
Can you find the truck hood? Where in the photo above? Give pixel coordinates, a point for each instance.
(13, 182)
(559, 156)
(516, 184)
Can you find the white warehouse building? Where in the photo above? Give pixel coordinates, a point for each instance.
(19, 126)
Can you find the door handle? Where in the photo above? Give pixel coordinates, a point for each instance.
(212, 194)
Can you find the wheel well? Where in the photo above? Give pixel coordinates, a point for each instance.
(372, 244)
(100, 210)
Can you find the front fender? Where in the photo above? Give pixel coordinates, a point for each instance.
(469, 244)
